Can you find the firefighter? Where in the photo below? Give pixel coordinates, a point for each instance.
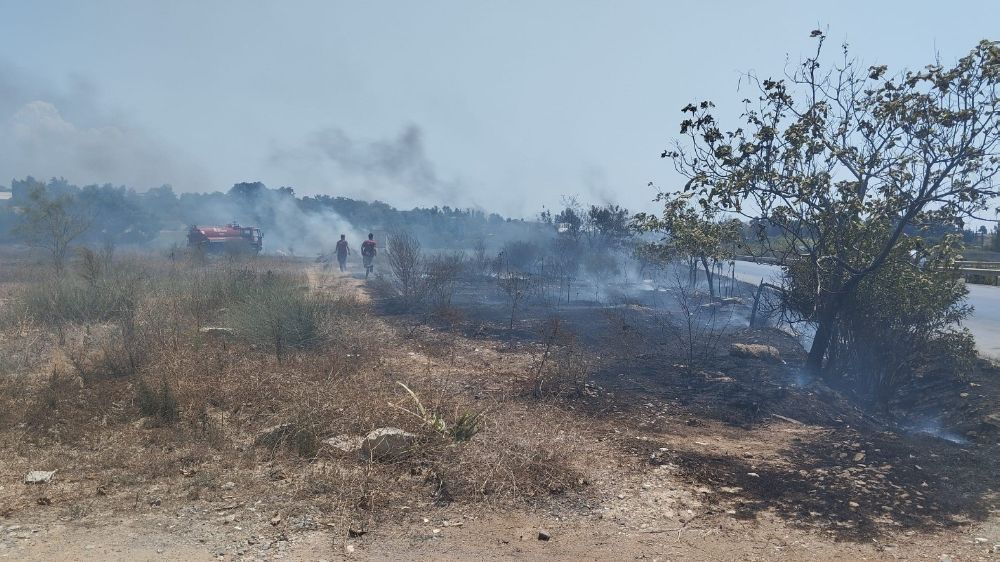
(342, 252)
(368, 252)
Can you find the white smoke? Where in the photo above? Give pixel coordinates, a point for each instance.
(308, 233)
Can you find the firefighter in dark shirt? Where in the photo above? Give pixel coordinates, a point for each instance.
(342, 252)
(368, 252)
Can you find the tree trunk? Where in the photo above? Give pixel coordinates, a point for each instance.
(708, 277)
(825, 328)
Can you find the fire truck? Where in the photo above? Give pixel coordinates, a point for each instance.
(233, 238)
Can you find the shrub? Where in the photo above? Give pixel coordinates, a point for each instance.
(276, 315)
(521, 255)
(159, 403)
(442, 277)
(407, 266)
(897, 322)
(61, 300)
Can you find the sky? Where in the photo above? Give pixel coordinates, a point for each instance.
(505, 106)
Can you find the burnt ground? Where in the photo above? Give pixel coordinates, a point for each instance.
(853, 475)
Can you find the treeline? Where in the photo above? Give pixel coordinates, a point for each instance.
(123, 215)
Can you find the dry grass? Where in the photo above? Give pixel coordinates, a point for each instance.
(83, 394)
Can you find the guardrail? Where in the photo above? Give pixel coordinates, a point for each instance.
(978, 264)
(977, 272)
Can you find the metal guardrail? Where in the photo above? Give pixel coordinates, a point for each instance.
(987, 265)
(977, 272)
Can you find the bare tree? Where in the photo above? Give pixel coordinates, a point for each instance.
(696, 326)
(406, 263)
(515, 286)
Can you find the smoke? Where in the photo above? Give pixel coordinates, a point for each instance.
(307, 233)
(935, 428)
(288, 225)
(46, 132)
(395, 169)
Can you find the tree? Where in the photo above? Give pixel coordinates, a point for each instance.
(53, 223)
(841, 159)
(608, 226)
(995, 238)
(692, 233)
(569, 221)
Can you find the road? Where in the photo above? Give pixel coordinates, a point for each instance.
(984, 323)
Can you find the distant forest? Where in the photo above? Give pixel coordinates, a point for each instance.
(160, 217)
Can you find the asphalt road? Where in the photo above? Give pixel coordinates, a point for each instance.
(984, 323)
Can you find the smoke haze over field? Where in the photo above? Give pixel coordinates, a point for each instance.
(506, 106)
(38, 138)
(395, 169)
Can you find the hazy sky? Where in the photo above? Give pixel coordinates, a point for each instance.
(506, 105)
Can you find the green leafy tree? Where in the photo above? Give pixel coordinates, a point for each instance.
(53, 223)
(608, 226)
(839, 159)
(692, 233)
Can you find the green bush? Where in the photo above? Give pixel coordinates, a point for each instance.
(277, 315)
(215, 288)
(68, 299)
(899, 322)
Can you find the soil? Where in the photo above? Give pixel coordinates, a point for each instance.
(720, 458)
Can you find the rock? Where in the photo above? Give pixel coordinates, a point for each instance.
(39, 476)
(543, 535)
(228, 486)
(216, 331)
(346, 443)
(756, 351)
(858, 457)
(274, 436)
(386, 443)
